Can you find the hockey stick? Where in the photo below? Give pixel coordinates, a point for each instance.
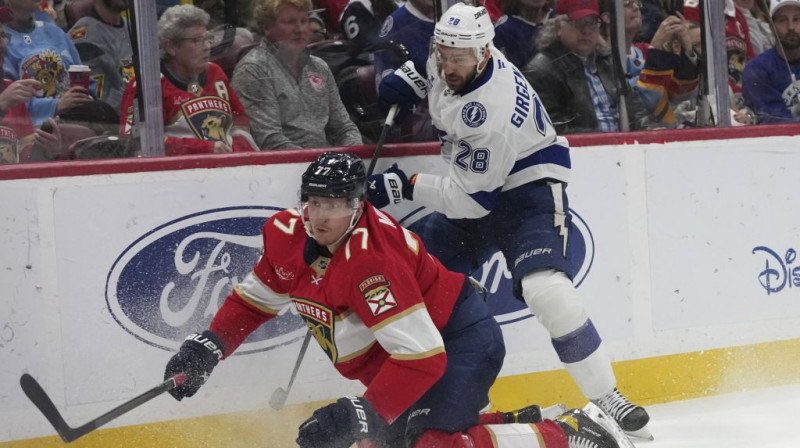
(385, 131)
(279, 395)
(42, 401)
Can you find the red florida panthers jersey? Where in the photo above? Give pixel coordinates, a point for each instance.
(196, 115)
(376, 306)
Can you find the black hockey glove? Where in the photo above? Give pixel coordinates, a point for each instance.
(389, 187)
(341, 424)
(197, 357)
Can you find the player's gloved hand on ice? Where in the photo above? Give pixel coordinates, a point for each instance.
(389, 187)
(197, 357)
(405, 87)
(341, 424)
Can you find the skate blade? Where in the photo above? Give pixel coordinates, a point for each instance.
(604, 420)
(641, 434)
(551, 412)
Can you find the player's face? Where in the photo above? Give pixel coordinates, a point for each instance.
(191, 52)
(787, 26)
(457, 65)
(290, 29)
(329, 218)
(580, 36)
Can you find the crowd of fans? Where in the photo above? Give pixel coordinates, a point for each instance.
(303, 73)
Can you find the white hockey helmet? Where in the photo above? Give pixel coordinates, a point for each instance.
(464, 26)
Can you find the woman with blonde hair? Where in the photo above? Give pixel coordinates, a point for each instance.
(291, 96)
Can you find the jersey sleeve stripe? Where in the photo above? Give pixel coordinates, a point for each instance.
(354, 355)
(377, 327)
(416, 356)
(554, 154)
(255, 292)
(486, 199)
(414, 336)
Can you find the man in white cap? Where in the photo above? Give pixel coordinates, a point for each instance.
(770, 85)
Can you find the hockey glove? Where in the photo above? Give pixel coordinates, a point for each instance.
(404, 87)
(197, 357)
(341, 424)
(389, 187)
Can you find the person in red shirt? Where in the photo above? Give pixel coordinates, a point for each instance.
(202, 113)
(418, 336)
(19, 142)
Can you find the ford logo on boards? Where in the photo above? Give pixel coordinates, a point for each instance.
(171, 281)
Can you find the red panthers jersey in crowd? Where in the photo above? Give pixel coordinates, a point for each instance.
(376, 307)
(16, 133)
(196, 115)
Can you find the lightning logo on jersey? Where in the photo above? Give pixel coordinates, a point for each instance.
(473, 114)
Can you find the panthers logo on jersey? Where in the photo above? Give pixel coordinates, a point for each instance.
(209, 117)
(319, 320)
(48, 68)
(8, 145)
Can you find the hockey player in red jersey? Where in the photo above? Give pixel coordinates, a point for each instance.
(387, 313)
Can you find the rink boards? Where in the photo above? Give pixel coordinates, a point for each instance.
(689, 274)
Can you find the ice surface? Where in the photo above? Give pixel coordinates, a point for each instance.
(763, 418)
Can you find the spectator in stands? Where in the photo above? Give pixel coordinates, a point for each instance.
(18, 140)
(102, 41)
(42, 51)
(317, 26)
(670, 74)
(770, 83)
(406, 36)
(632, 14)
(515, 32)
(410, 25)
(202, 113)
(574, 76)
(755, 12)
(738, 46)
(653, 13)
(291, 97)
(361, 20)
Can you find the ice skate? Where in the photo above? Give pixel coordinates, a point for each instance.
(631, 418)
(583, 432)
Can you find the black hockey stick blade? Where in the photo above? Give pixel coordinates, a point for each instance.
(42, 401)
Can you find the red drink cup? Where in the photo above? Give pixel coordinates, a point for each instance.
(79, 76)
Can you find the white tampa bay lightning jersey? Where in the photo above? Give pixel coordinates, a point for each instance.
(495, 135)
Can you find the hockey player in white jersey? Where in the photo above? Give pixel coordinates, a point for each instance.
(505, 190)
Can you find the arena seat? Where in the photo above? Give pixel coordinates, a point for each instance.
(75, 9)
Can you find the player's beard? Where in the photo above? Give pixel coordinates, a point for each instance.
(456, 82)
